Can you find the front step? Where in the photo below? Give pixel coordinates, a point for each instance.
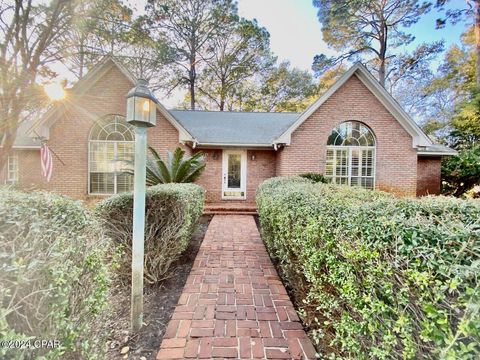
(229, 212)
(230, 209)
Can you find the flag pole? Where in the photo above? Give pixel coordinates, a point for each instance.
(43, 140)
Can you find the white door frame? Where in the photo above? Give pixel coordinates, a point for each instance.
(243, 175)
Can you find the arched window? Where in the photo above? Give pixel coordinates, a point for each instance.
(111, 140)
(351, 155)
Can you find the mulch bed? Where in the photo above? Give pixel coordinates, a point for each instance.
(159, 304)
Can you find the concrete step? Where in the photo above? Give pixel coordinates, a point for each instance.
(230, 212)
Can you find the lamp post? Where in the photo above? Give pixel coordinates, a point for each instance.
(141, 112)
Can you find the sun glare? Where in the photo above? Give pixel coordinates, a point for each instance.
(54, 91)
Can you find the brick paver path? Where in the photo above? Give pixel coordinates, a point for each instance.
(234, 304)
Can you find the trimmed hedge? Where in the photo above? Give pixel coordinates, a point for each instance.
(172, 211)
(374, 276)
(54, 276)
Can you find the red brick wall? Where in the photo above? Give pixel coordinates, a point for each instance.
(429, 176)
(69, 136)
(258, 170)
(396, 162)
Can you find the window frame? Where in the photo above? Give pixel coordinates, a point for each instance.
(349, 149)
(12, 159)
(114, 118)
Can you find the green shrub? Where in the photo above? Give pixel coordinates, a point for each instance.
(376, 277)
(315, 177)
(54, 276)
(172, 211)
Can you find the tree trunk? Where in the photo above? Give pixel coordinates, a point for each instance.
(5, 150)
(81, 60)
(9, 134)
(382, 54)
(381, 72)
(192, 94)
(222, 95)
(192, 78)
(477, 38)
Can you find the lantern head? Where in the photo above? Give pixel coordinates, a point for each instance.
(141, 105)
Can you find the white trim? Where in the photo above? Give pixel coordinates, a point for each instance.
(12, 159)
(20, 147)
(243, 174)
(233, 145)
(419, 138)
(450, 153)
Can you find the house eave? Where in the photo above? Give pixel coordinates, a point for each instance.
(199, 145)
(26, 147)
(436, 154)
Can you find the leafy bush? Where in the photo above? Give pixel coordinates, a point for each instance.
(54, 275)
(376, 277)
(172, 211)
(315, 177)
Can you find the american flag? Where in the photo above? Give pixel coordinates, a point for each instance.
(47, 161)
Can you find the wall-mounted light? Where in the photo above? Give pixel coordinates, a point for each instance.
(215, 155)
(253, 157)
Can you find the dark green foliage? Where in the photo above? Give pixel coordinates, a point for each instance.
(177, 168)
(461, 173)
(315, 177)
(374, 276)
(54, 276)
(172, 211)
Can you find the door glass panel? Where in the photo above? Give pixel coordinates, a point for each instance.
(234, 171)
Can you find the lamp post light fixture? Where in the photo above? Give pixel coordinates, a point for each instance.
(141, 112)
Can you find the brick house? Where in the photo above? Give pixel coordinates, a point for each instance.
(354, 134)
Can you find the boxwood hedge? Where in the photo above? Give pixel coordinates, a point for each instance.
(55, 269)
(172, 211)
(374, 276)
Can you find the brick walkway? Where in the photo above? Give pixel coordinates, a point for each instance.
(234, 305)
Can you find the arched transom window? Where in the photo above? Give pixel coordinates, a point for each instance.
(111, 141)
(351, 155)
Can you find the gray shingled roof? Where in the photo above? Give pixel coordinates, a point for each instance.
(23, 140)
(218, 127)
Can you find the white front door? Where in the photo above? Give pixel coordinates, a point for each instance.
(234, 174)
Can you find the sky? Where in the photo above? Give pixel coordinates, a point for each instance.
(295, 31)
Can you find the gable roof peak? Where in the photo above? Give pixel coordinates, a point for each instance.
(419, 138)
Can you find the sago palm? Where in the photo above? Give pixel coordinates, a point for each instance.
(176, 169)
